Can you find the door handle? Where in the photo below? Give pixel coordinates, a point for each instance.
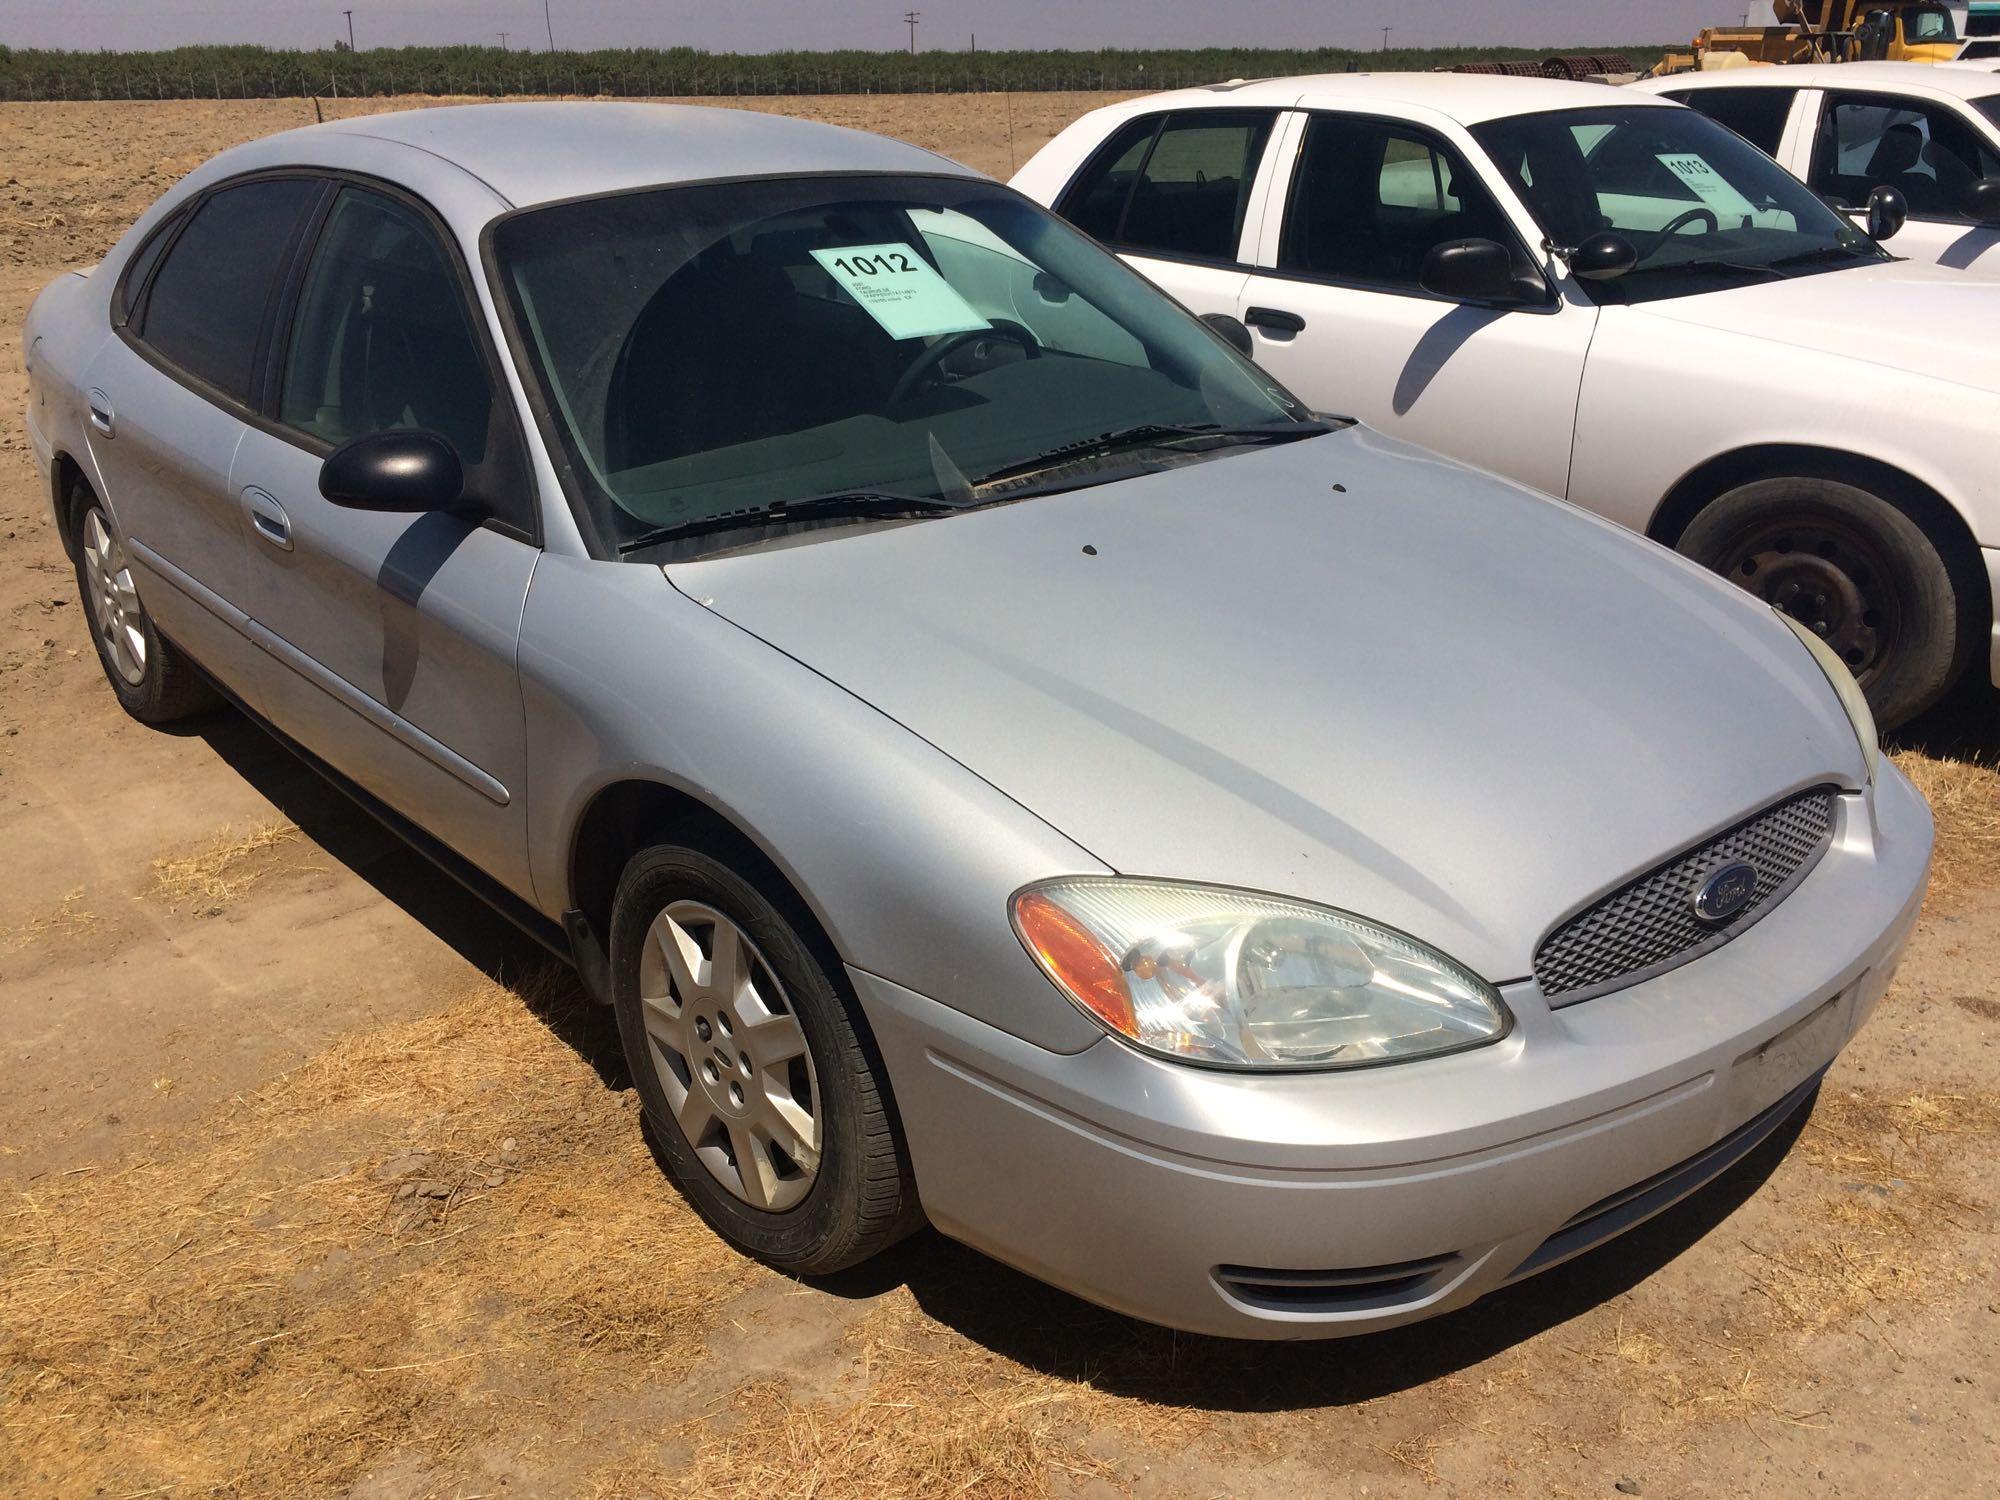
(268, 519)
(1275, 321)
(101, 415)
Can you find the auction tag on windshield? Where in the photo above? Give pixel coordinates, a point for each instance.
(900, 290)
(1709, 185)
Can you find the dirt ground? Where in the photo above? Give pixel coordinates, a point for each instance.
(314, 1179)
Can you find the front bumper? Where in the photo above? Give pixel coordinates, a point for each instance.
(1313, 1205)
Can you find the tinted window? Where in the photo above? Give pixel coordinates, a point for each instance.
(382, 339)
(1758, 115)
(1370, 200)
(208, 297)
(1924, 150)
(1183, 193)
(1989, 107)
(133, 284)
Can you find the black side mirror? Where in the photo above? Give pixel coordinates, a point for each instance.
(1982, 202)
(1470, 271)
(1876, 31)
(1603, 257)
(1232, 331)
(1888, 211)
(404, 472)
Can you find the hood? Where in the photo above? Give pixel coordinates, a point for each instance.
(1920, 319)
(1345, 670)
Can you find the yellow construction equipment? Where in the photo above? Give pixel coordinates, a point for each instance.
(1926, 31)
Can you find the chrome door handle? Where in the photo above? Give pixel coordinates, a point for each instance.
(268, 519)
(101, 415)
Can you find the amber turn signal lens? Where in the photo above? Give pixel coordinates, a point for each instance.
(1076, 960)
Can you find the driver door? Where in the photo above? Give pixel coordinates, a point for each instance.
(1337, 313)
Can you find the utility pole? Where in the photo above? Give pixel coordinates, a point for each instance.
(550, 24)
(910, 19)
(350, 29)
(503, 40)
(1385, 37)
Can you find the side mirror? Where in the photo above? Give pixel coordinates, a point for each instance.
(1470, 271)
(1603, 257)
(1982, 202)
(405, 472)
(1233, 331)
(1888, 210)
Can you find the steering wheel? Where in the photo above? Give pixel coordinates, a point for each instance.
(1683, 220)
(936, 355)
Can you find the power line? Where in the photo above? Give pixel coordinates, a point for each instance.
(910, 19)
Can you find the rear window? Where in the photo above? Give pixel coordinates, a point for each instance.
(1758, 115)
(1177, 186)
(1989, 107)
(206, 307)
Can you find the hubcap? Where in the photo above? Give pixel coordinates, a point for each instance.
(114, 603)
(729, 1053)
(1829, 580)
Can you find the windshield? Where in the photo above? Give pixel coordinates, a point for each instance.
(1928, 23)
(747, 345)
(1700, 205)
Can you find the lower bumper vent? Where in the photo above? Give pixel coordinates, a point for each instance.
(1359, 1289)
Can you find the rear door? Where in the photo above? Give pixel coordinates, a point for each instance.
(1928, 150)
(391, 639)
(171, 397)
(1176, 195)
(1337, 313)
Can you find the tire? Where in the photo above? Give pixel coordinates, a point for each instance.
(1854, 567)
(707, 1099)
(152, 680)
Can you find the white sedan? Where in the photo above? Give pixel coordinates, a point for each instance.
(1602, 295)
(1846, 129)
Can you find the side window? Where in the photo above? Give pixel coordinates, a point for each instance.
(132, 285)
(381, 338)
(1924, 150)
(1095, 202)
(1185, 190)
(1370, 199)
(1758, 115)
(206, 307)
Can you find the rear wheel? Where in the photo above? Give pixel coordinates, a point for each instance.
(770, 1108)
(154, 683)
(1853, 568)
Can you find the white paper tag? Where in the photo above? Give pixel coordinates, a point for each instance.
(900, 290)
(1709, 185)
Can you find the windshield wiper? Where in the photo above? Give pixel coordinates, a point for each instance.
(1154, 435)
(1823, 253)
(1715, 268)
(834, 505)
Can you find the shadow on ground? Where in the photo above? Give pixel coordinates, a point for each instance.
(1001, 1309)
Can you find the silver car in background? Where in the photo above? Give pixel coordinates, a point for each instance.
(1005, 762)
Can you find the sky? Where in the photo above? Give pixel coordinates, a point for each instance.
(760, 25)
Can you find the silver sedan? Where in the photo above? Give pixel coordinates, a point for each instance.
(1003, 759)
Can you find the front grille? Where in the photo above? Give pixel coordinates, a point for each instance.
(1649, 925)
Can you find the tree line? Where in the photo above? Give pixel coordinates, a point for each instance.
(241, 72)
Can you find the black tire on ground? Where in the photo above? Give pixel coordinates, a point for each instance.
(1856, 568)
(169, 687)
(863, 1198)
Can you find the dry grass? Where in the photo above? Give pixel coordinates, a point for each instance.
(388, 1251)
(66, 919)
(211, 877)
(1965, 800)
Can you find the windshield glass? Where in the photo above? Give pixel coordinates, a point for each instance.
(736, 346)
(1701, 206)
(1928, 23)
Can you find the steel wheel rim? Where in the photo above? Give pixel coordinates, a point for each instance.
(1830, 579)
(729, 1054)
(114, 602)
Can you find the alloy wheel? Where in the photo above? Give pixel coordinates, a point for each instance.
(114, 602)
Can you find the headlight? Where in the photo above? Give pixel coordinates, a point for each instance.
(1240, 980)
(1846, 689)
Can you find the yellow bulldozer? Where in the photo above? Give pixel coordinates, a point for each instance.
(1808, 31)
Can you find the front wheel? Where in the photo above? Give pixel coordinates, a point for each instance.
(770, 1108)
(1856, 570)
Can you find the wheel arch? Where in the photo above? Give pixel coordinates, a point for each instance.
(65, 475)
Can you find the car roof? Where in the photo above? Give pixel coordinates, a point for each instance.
(1962, 82)
(1468, 98)
(531, 153)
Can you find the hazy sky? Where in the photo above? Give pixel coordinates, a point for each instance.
(759, 25)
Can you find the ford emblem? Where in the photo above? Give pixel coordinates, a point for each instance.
(1726, 892)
